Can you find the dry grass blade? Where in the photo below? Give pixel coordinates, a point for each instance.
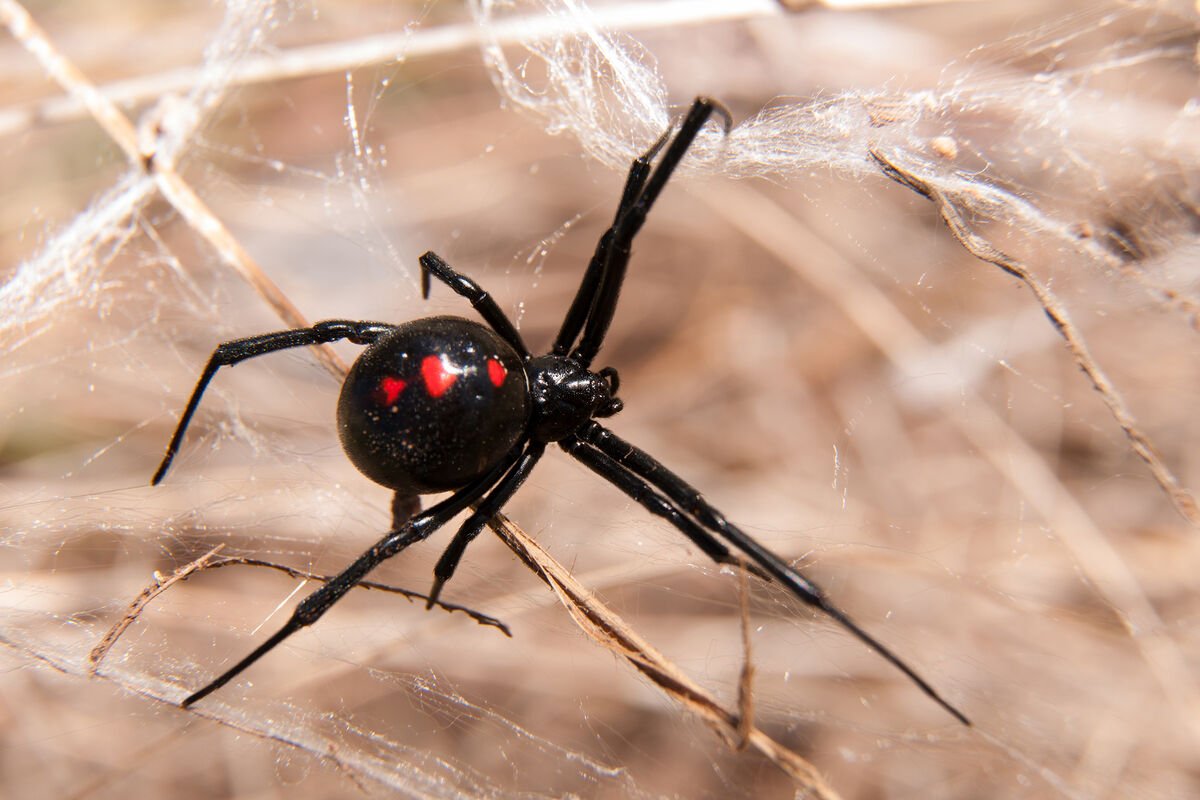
(607, 629)
(160, 163)
(212, 561)
(61, 69)
(293, 572)
(1015, 459)
(746, 680)
(157, 587)
(979, 247)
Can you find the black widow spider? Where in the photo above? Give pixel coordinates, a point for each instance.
(446, 404)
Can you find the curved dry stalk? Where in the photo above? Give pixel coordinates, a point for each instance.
(1021, 465)
(156, 587)
(145, 153)
(982, 249)
(212, 560)
(605, 628)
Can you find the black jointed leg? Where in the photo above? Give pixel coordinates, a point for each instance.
(230, 353)
(316, 604)
(621, 235)
(486, 509)
(405, 506)
(642, 464)
(585, 295)
(481, 301)
(645, 496)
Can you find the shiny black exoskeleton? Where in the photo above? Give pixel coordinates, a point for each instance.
(446, 404)
(433, 405)
(565, 395)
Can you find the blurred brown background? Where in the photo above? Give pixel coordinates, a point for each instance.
(814, 352)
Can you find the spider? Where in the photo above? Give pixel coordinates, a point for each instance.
(445, 404)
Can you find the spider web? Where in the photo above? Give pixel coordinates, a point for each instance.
(969, 419)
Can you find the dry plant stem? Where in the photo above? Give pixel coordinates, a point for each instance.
(395, 47)
(157, 587)
(210, 561)
(825, 269)
(610, 631)
(66, 74)
(386, 48)
(746, 681)
(399, 46)
(201, 219)
(979, 247)
(481, 618)
(162, 169)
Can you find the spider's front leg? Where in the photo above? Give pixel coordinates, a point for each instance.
(601, 285)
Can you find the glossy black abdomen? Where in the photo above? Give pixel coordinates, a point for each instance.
(433, 405)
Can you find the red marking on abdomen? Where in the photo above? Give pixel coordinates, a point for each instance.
(389, 389)
(496, 372)
(437, 378)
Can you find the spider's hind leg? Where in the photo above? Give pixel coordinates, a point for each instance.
(644, 495)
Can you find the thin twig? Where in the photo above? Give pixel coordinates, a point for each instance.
(605, 628)
(210, 561)
(156, 587)
(828, 271)
(62, 70)
(481, 618)
(390, 47)
(161, 166)
(745, 720)
(982, 249)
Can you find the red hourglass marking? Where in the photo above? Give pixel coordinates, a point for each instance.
(437, 378)
(496, 372)
(389, 389)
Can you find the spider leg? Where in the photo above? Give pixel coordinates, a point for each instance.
(404, 507)
(316, 604)
(577, 314)
(230, 353)
(688, 499)
(607, 289)
(644, 495)
(481, 301)
(486, 509)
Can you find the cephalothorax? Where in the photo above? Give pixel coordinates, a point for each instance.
(445, 404)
